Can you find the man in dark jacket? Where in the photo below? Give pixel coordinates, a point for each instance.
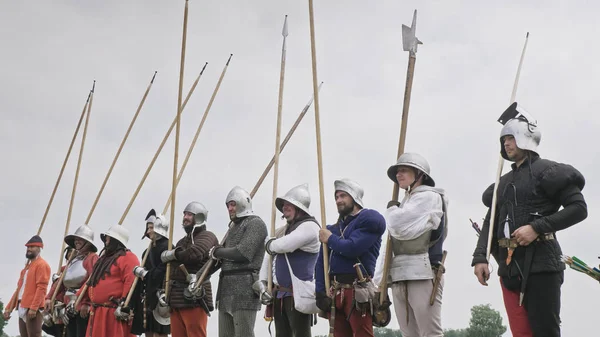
(189, 315)
(148, 318)
(527, 218)
(355, 238)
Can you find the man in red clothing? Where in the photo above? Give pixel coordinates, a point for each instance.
(109, 285)
(31, 290)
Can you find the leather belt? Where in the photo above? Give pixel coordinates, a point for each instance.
(512, 243)
(277, 287)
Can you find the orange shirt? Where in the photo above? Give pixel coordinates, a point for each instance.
(38, 276)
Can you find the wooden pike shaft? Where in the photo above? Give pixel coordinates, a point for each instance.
(513, 97)
(60, 279)
(199, 129)
(318, 134)
(277, 152)
(160, 147)
(396, 190)
(168, 203)
(283, 144)
(85, 128)
(205, 270)
(177, 129)
(62, 169)
(112, 165)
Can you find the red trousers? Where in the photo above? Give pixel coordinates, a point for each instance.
(517, 315)
(188, 322)
(350, 322)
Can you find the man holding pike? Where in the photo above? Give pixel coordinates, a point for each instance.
(354, 240)
(109, 285)
(296, 243)
(524, 243)
(241, 257)
(190, 309)
(76, 272)
(417, 227)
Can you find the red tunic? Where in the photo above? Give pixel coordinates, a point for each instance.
(103, 322)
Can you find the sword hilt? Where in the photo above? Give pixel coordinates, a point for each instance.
(361, 277)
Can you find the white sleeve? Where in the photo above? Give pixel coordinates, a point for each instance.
(264, 271)
(380, 259)
(306, 236)
(420, 213)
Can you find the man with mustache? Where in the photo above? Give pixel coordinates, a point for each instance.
(355, 238)
(190, 310)
(31, 290)
(76, 273)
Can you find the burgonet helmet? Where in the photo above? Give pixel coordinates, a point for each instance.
(298, 196)
(413, 160)
(353, 189)
(200, 212)
(84, 232)
(521, 125)
(243, 202)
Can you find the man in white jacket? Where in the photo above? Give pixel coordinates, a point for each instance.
(418, 228)
(298, 242)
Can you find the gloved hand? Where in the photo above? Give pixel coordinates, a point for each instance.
(168, 256)
(55, 277)
(140, 272)
(64, 316)
(268, 248)
(211, 252)
(260, 288)
(70, 309)
(393, 203)
(122, 313)
(162, 298)
(323, 301)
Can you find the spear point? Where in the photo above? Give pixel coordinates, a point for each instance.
(409, 38)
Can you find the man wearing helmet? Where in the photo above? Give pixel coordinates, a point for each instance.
(355, 238)
(76, 272)
(527, 216)
(241, 256)
(189, 311)
(148, 319)
(109, 285)
(298, 243)
(417, 226)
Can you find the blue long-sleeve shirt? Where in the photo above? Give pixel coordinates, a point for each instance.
(361, 239)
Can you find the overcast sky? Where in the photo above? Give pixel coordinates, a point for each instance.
(52, 51)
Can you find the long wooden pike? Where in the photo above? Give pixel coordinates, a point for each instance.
(160, 147)
(284, 32)
(162, 144)
(83, 137)
(62, 169)
(199, 129)
(410, 43)
(320, 157)
(181, 170)
(202, 274)
(112, 165)
(513, 97)
(176, 155)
